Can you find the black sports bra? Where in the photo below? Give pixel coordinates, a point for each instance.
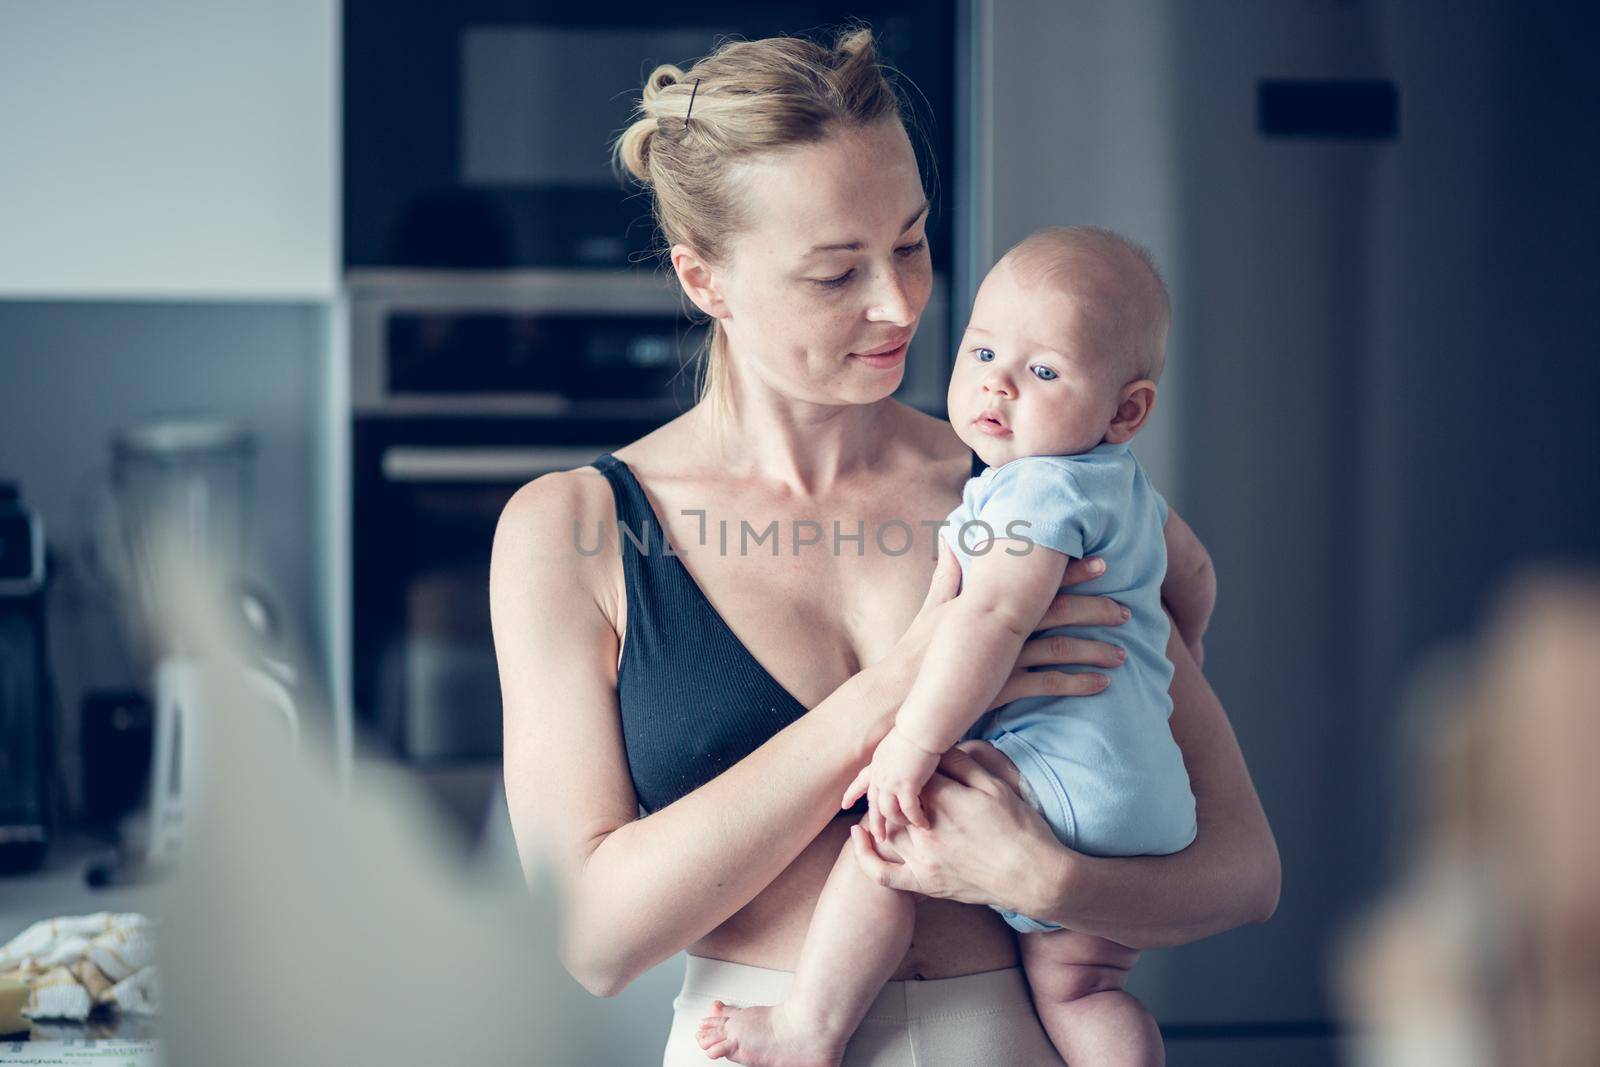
(694, 701)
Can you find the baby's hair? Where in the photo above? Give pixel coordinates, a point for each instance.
(1128, 300)
(750, 98)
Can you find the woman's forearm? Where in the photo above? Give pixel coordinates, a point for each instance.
(655, 885)
(1227, 877)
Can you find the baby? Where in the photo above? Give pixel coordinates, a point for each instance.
(1056, 374)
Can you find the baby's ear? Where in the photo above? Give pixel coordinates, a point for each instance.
(1134, 405)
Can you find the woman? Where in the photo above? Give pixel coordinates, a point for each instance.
(679, 730)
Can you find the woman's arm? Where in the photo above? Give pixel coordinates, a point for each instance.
(988, 846)
(637, 889)
(640, 889)
(1229, 876)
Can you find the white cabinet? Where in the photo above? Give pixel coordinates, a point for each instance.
(169, 149)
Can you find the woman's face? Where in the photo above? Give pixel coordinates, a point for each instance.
(824, 290)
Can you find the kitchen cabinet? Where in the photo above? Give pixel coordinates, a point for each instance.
(169, 149)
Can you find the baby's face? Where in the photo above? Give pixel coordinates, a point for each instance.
(1027, 380)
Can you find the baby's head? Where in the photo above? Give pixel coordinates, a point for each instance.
(1065, 346)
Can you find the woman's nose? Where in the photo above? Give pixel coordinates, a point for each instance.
(892, 301)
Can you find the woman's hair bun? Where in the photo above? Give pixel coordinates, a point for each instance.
(632, 149)
(663, 76)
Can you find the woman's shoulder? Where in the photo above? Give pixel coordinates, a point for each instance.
(554, 500)
(544, 524)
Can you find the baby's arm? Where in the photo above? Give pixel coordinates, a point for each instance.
(1003, 596)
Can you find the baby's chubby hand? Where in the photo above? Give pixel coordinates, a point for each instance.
(893, 783)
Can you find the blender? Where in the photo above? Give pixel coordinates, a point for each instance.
(181, 512)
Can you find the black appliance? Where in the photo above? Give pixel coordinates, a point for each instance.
(463, 387)
(115, 742)
(476, 133)
(26, 697)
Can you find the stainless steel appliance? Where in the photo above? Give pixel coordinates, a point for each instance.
(463, 387)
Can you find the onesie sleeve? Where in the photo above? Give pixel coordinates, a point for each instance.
(1039, 500)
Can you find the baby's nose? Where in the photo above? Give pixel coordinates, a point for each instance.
(996, 382)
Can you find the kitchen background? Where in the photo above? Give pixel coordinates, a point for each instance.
(1379, 399)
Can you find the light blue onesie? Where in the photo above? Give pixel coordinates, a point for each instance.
(1104, 770)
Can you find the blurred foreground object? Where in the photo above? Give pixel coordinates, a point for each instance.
(1488, 952)
(313, 922)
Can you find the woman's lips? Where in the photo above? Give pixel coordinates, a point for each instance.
(890, 358)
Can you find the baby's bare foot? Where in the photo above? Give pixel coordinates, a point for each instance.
(765, 1037)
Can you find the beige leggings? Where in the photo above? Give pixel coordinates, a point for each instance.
(983, 1018)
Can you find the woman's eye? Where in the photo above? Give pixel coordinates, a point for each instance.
(834, 283)
(911, 250)
(1044, 373)
(985, 355)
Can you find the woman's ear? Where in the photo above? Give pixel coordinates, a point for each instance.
(699, 281)
(1134, 406)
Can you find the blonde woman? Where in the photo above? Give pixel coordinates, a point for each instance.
(681, 723)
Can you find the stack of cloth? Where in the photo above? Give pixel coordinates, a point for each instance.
(75, 964)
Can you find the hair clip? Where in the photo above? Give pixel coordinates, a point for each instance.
(686, 114)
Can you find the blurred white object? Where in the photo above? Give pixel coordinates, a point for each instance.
(76, 963)
(181, 489)
(314, 924)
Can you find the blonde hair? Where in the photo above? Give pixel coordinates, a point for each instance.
(750, 97)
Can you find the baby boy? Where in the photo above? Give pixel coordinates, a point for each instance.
(1056, 374)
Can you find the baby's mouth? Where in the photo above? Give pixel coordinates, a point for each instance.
(991, 423)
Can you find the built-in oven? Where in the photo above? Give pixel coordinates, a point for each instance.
(463, 387)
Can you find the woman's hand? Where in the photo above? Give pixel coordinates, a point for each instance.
(983, 842)
(987, 846)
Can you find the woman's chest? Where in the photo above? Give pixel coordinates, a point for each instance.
(814, 592)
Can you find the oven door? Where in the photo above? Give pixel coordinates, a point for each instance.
(428, 494)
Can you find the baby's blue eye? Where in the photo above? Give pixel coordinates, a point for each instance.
(982, 356)
(1044, 373)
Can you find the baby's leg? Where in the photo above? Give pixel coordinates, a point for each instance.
(1077, 982)
(859, 933)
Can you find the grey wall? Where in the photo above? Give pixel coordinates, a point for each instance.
(1071, 126)
(1388, 377)
(72, 374)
